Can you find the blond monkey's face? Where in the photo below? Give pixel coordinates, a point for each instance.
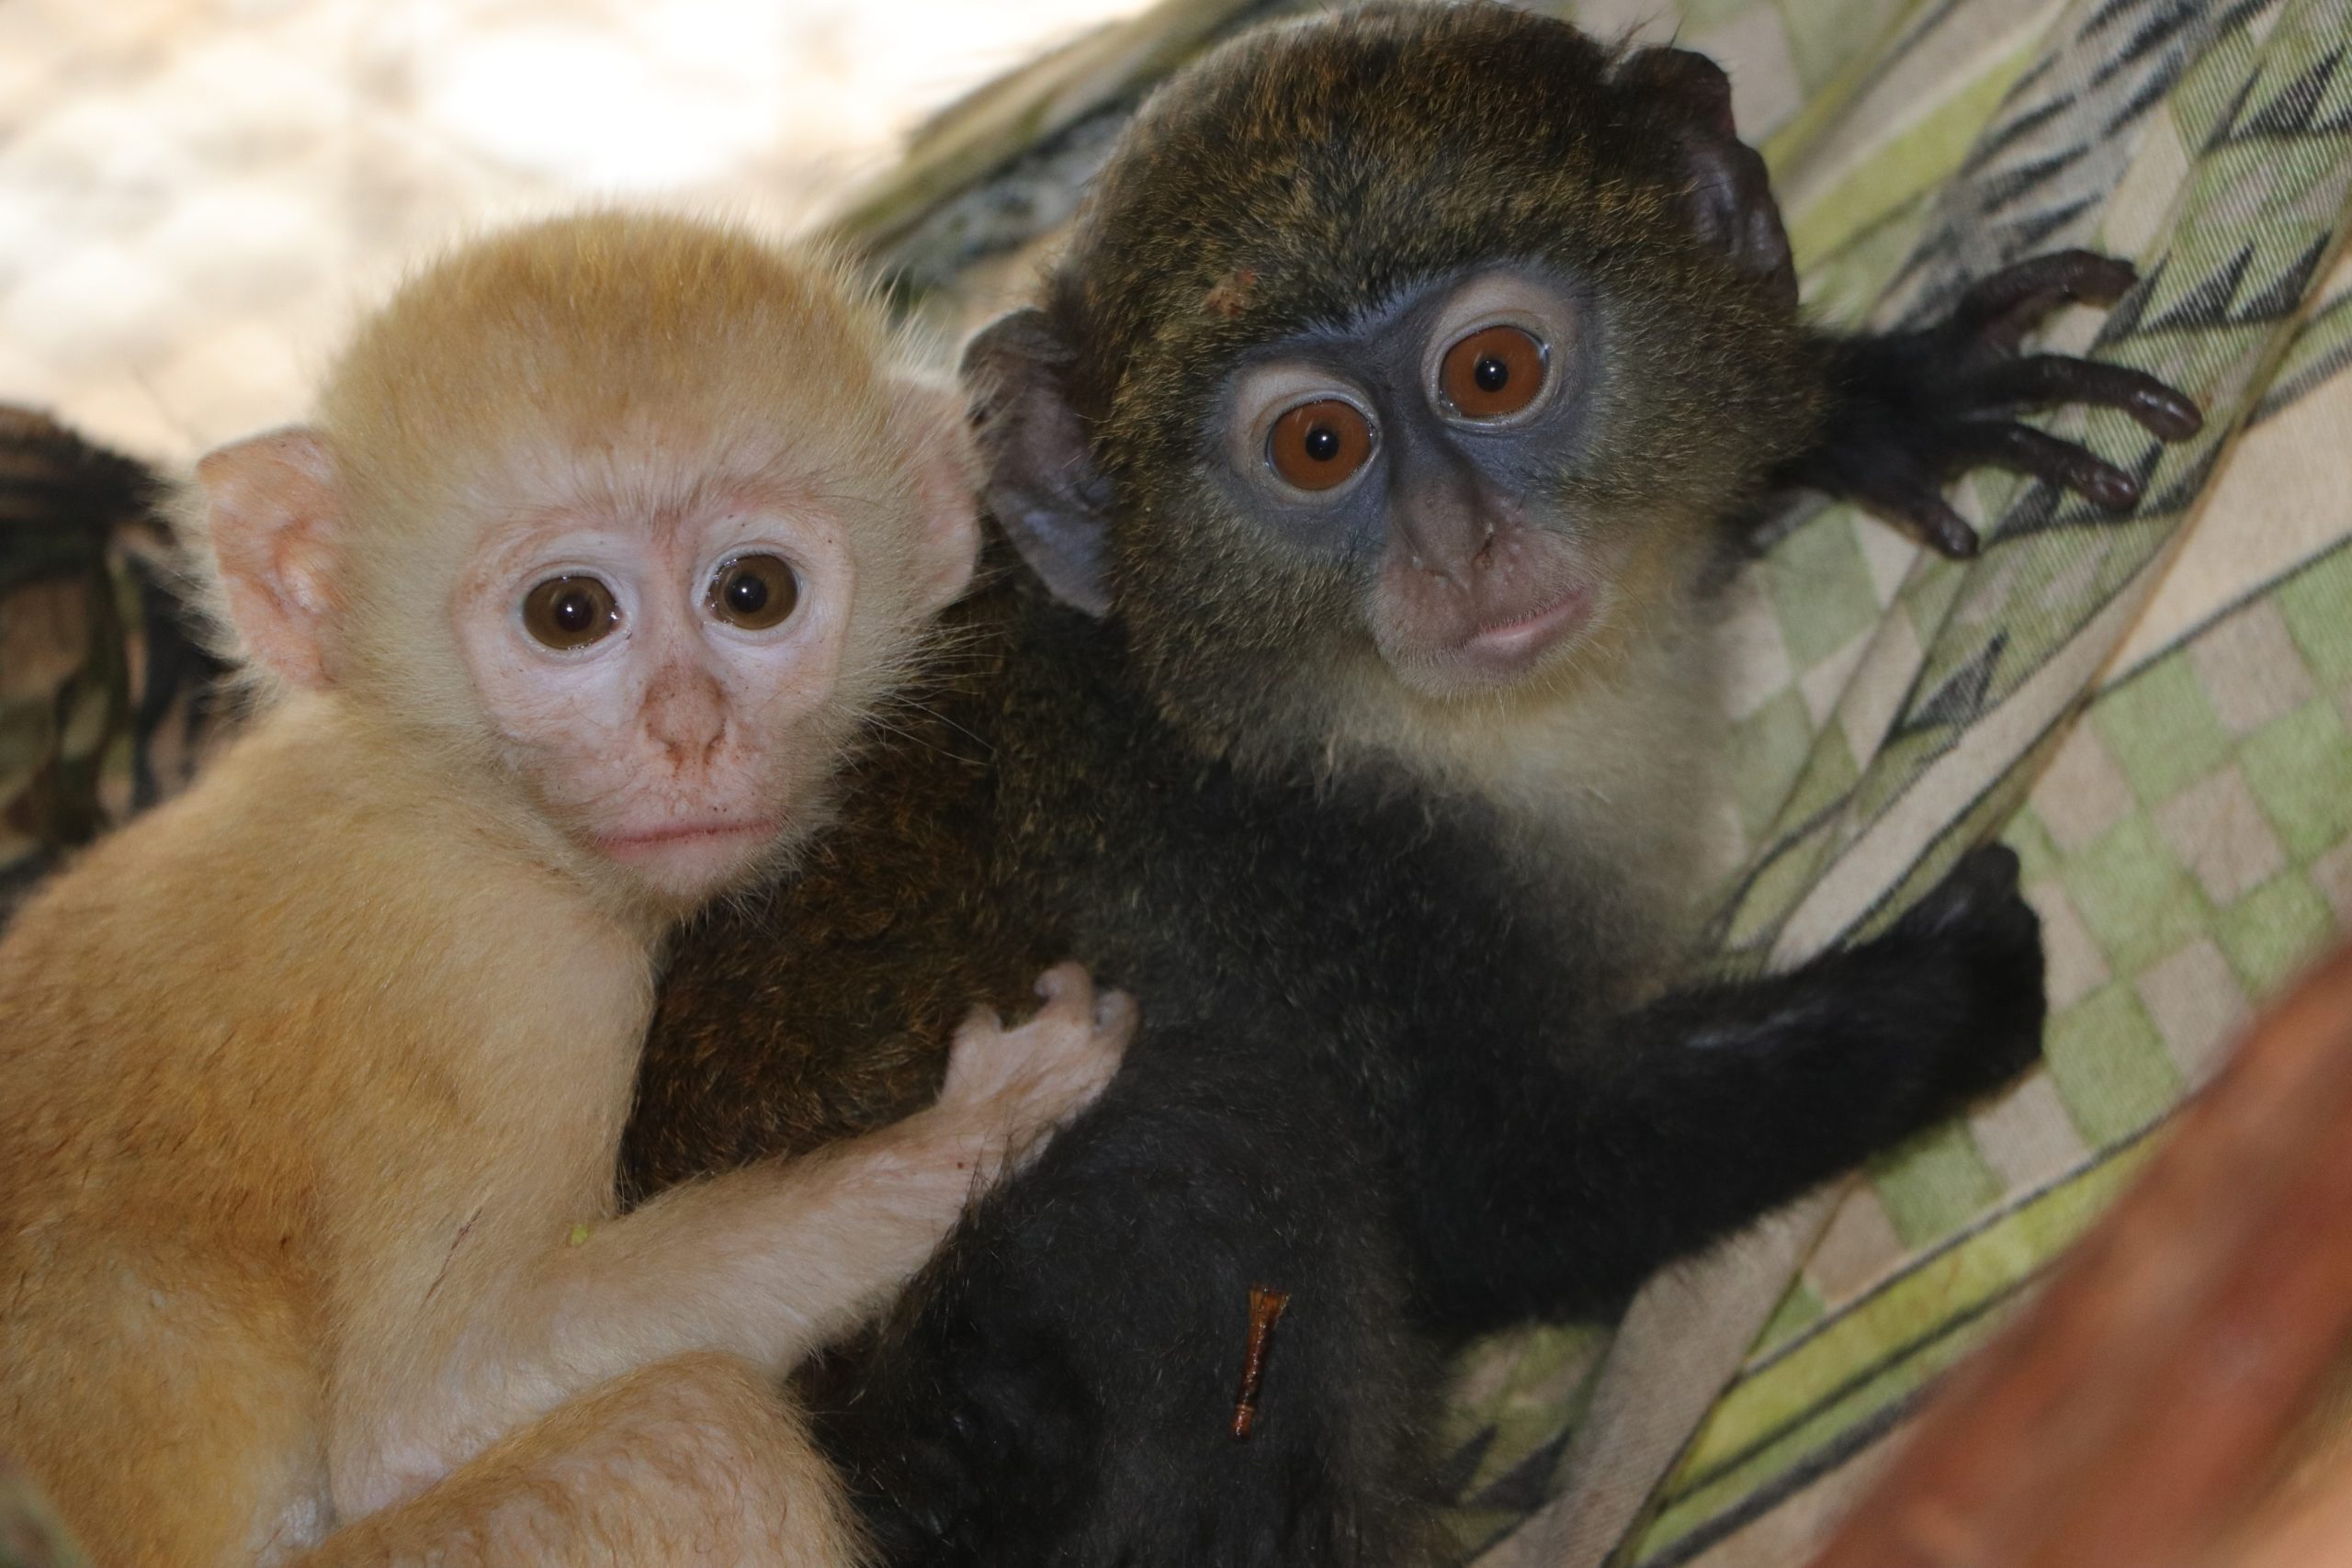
(638, 516)
(666, 647)
(666, 685)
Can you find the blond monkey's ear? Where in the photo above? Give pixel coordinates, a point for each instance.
(274, 513)
(946, 469)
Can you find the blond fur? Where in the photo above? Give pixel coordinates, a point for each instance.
(312, 1081)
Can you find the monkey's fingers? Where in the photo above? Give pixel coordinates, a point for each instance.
(1913, 502)
(2021, 449)
(2046, 380)
(1984, 877)
(1065, 979)
(1117, 1018)
(979, 1058)
(2000, 309)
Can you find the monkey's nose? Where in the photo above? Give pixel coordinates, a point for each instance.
(1456, 544)
(1447, 522)
(685, 715)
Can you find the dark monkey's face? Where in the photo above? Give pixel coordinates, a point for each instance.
(1421, 449)
(1415, 346)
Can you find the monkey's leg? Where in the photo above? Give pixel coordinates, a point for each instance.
(1553, 1194)
(1909, 411)
(698, 1461)
(1066, 1389)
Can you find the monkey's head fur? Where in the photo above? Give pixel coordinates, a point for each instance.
(1308, 187)
(544, 483)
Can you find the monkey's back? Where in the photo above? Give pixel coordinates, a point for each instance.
(146, 1232)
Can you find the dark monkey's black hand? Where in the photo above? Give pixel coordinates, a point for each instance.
(1910, 411)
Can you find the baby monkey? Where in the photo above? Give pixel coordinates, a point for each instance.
(610, 533)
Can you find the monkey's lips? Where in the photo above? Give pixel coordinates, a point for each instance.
(1514, 645)
(680, 856)
(1501, 647)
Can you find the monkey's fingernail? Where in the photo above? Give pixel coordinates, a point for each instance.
(2166, 413)
(2101, 279)
(1051, 984)
(1951, 537)
(2110, 488)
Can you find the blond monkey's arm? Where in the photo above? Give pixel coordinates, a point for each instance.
(766, 1264)
(770, 1262)
(695, 1462)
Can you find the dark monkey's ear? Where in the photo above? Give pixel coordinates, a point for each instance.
(1038, 478)
(1730, 198)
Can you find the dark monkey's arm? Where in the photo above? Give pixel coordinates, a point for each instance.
(1552, 1194)
(1063, 1384)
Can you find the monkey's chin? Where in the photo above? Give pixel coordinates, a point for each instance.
(689, 863)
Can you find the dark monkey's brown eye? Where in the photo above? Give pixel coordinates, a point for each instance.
(754, 592)
(1492, 374)
(570, 612)
(1319, 445)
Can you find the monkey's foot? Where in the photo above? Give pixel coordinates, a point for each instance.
(1910, 411)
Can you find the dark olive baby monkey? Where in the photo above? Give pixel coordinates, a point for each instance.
(1364, 479)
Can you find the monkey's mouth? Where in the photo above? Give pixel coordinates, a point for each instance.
(671, 838)
(1514, 645)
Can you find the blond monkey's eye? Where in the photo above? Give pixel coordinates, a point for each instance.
(754, 592)
(1494, 373)
(570, 612)
(1320, 446)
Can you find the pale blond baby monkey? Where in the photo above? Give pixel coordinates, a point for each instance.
(608, 533)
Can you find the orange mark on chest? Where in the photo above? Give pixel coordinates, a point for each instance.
(1266, 1306)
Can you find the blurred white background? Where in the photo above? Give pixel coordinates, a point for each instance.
(197, 194)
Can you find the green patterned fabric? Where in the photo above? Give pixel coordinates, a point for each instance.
(2153, 713)
(2156, 713)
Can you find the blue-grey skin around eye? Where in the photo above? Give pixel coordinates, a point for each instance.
(1422, 460)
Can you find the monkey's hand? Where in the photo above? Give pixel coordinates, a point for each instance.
(1976, 921)
(1909, 411)
(1019, 1084)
